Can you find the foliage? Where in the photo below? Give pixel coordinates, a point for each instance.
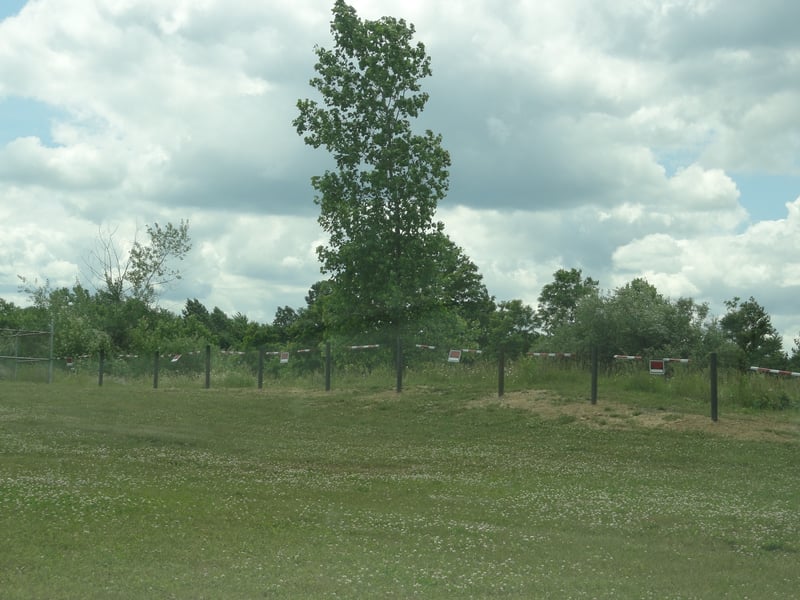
(636, 319)
(220, 329)
(149, 263)
(308, 326)
(794, 361)
(462, 289)
(197, 321)
(145, 269)
(511, 329)
(378, 206)
(573, 316)
(748, 325)
(285, 318)
(559, 300)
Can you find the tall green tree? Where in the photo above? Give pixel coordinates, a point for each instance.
(378, 205)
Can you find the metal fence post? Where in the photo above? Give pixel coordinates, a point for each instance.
(714, 394)
(399, 365)
(208, 366)
(594, 374)
(101, 367)
(52, 345)
(501, 374)
(155, 370)
(260, 368)
(327, 366)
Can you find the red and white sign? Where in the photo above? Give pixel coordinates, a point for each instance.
(657, 367)
(454, 356)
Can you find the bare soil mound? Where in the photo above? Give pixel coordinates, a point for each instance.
(614, 415)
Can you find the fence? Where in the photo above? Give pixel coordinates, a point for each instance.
(26, 355)
(242, 368)
(376, 364)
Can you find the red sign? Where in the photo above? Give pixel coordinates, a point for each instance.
(656, 367)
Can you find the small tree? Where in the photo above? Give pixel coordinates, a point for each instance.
(637, 319)
(150, 266)
(748, 325)
(308, 325)
(794, 361)
(511, 328)
(73, 312)
(285, 318)
(559, 299)
(146, 266)
(9, 315)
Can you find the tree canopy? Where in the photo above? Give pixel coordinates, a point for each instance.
(559, 299)
(634, 318)
(748, 325)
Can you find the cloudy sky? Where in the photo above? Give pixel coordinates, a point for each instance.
(655, 138)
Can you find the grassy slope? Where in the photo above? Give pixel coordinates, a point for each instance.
(122, 492)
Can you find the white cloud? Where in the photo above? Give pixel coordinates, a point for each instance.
(761, 261)
(605, 136)
(77, 166)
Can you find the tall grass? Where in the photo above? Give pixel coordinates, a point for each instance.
(685, 387)
(688, 388)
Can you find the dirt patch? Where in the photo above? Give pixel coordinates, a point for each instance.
(613, 415)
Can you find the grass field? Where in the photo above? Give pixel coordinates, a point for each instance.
(438, 492)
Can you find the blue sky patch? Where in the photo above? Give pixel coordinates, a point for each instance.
(23, 117)
(765, 196)
(9, 8)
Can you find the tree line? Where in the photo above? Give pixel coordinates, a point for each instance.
(572, 315)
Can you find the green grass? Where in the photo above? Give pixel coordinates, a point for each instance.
(129, 492)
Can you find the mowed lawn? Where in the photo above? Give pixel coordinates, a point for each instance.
(128, 492)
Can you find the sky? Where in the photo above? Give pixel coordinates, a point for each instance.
(627, 138)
